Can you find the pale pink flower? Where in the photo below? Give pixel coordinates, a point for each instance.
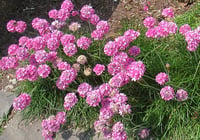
(21, 102)
(44, 70)
(167, 93)
(83, 89)
(70, 100)
(181, 95)
(161, 78)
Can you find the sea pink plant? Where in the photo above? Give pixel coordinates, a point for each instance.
(111, 48)
(119, 80)
(44, 70)
(70, 49)
(21, 74)
(93, 98)
(12, 49)
(20, 27)
(184, 29)
(23, 41)
(21, 102)
(86, 12)
(53, 14)
(161, 78)
(134, 51)
(67, 38)
(11, 26)
(41, 56)
(83, 89)
(63, 66)
(94, 19)
(181, 95)
(22, 53)
(118, 132)
(8, 63)
(114, 68)
(53, 44)
(32, 74)
(168, 12)
(83, 42)
(70, 100)
(105, 89)
(98, 69)
(144, 133)
(149, 22)
(167, 93)
(61, 117)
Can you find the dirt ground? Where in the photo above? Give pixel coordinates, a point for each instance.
(112, 10)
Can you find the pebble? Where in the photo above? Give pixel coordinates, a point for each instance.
(13, 81)
(9, 87)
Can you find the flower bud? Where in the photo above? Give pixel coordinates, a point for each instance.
(82, 59)
(76, 66)
(167, 65)
(87, 71)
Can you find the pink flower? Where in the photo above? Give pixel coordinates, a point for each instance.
(97, 34)
(53, 44)
(12, 49)
(120, 98)
(136, 70)
(21, 74)
(8, 63)
(83, 42)
(21, 102)
(32, 60)
(134, 51)
(61, 117)
(63, 66)
(122, 42)
(44, 70)
(94, 19)
(41, 56)
(119, 80)
(86, 12)
(70, 49)
(105, 89)
(74, 13)
(93, 98)
(53, 14)
(21, 26)
(168, 12)
(98, 69)
(67, 5)
(167, 93)
(114, 68)
(131, 35)
(184, 29)
(70, 100)
(22, 53)
(23, 41)
(52, 56)
(68, 75)
(124, 109)
(181, 95)
(144, 133)
(103, 26)
(38, 43)
(57, 34)
(149, 22)
(67, 38)
(145, 8)
(32, 74)
(111, 48)
(63, 14)
(11, 26)
(161, 78)
(61, 84)
(83, 89)
(99, 125)
(120, 57)
(118, 132)
(105, 114)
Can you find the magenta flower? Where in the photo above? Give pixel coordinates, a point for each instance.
(61, 117)
(184, 29)
(83, 42)
(12, 49)
(32, 74)
(44, 70)
(67, 5)
(23, 41)
(181, 95)
(11, 26)
(70, 49)
(21, 74)
(131, 34)
(103, 26)
(83, 89)
(41, 56)
(70, 100)
(111, 48)
(63, 66)
(8, 63)
(144, 133)
(167, 93)
(93, 98)
(53, 44)
(161, 78)
(20, 27)
(98, 69)
(122, 42)
(168, 12)
(114, 68)
(86, 12)
(105, 114)
(119, 80)
(134, 51)
(97, 34)
(67, 38)
(94, 19)
(118, 132)
(22, 53)
(53, 14)
(149, 22)
(105, 89)
(21, 102)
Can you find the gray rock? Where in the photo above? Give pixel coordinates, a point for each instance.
(6, 100)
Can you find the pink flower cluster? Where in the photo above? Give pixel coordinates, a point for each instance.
(144, 133)
(163, 29)
(192, 37)
(16, 26)
(83, 43)
(161, 78)
(21, 102)
(181, 95)
(52, 125)
(134, 51)
(8, 63)
(70, 100)
(102, 27)
(149, 22)
(98, 69)
(168, 13)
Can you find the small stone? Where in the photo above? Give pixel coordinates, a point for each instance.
(9, 87)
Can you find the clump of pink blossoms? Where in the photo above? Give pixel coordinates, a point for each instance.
(161, 78)
(167, 93)
(168, 12)
(70, 100)
(83, 89)
(83, 43)
(16, 26)
(144, 133)
(149, 22)
(98, 69)
(21, 102)
(181, 95)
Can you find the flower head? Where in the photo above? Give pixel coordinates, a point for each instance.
(167, 93)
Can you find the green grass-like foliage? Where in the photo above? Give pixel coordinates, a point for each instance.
(166, 119)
